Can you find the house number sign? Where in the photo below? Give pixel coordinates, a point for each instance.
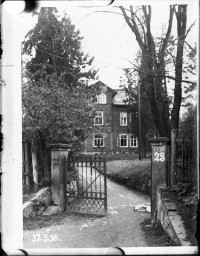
(159, 154)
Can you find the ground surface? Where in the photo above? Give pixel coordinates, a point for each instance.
(121, 227)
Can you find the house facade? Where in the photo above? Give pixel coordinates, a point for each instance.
(112, 124)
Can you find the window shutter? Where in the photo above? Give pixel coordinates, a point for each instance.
(118, 142)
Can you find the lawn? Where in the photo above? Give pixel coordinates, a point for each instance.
(135, 174)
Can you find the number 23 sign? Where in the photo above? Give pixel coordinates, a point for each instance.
(159, 154)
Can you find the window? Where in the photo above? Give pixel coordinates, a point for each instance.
(98, 119)
(122, 141)
(123, 119)
(101, 98)
(98, 140)
(133, 141)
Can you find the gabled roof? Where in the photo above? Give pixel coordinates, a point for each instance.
(103, 87)
(119, 95)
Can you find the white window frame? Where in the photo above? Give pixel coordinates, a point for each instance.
(119, 140)
(101, 98)
(133, 139)
(94, 139)
(99, 114)
(123, 118)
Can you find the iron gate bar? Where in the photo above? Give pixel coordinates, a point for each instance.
(90, 184)
(94, 196)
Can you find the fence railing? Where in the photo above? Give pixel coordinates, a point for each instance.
(184, 159)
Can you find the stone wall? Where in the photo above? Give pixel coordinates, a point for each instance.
(171, 221)
(38, 204)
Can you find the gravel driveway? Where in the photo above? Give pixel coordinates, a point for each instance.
(120, 228)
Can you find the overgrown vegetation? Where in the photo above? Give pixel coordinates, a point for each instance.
(57, 105)
(135, 174)
(184, 195)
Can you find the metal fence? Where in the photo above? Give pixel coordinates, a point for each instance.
(184, 159)
(86, 184)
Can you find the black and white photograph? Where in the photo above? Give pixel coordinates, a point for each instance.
(100, 127)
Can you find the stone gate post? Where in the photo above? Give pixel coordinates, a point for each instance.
(159, 170)
(59, 155)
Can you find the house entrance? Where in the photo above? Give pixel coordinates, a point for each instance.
(86, 190)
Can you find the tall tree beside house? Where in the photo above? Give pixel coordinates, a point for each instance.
(134, 77)
(154, 67)
(154, 62)
(56, 45)
(56, 104)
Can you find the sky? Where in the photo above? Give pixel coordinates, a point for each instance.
(107, 37)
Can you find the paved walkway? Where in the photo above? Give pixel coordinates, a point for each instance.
(120, 228)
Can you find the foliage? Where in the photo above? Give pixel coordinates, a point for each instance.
(188, 122)
(135, 174)
(61, 114)
(55, 46)
(56, 103)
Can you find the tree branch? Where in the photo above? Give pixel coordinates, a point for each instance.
(189, 29)
(166, 40)
(133, 26)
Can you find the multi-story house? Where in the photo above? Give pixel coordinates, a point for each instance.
(112, 123)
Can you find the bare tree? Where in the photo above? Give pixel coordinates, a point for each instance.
(153, 62)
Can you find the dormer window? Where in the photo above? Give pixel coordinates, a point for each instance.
(101, 98)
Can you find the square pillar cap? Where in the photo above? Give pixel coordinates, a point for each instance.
(59, 146)
(159, 139)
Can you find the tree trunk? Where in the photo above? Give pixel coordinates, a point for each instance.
(152, 64)
(35, 164)
(44, 158)
(159, 106)
(181, 31)
(28, 164)
(181, 16)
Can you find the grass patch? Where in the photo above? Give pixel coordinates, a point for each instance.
(135, 174)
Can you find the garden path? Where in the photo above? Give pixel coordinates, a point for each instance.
(120, 228)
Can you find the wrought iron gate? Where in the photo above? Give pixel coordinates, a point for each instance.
(86, 185)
